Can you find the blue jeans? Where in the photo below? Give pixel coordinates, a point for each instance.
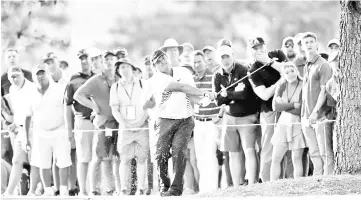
(175, 134)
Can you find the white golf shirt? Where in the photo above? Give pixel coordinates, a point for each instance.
(171, 105)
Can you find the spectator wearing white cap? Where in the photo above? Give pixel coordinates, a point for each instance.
(50, 138)
(52, 65)
(242, 107)
(264, 83)
(20, 89)
(96, 59)
(173, 51)
(333, 45)
(212, 60)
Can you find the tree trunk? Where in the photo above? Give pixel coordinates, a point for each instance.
(348, 122)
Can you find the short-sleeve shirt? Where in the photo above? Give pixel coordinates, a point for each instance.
(171, 105)
(300, 63)
(97, 89)
(267, 76)
(47, 110)
(317, 72)
(76, 81)
(125, 96)
(17, 97)
(205, 83)
(5, 83)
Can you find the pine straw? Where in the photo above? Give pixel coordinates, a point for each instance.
(331, 185)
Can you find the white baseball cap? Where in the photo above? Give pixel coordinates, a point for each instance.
(225, 50)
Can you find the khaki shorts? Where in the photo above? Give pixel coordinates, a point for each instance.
(103, 146)
(84, 140)
(231, 135)
(133, 144)
(47, 144)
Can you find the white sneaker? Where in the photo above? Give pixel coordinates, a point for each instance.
(188, 191)
(49, 191)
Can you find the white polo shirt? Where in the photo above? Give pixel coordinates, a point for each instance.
(18, 98)
(47, 110)
(171, 105)
(127, 97)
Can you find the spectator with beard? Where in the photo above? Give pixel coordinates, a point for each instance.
(288, 48)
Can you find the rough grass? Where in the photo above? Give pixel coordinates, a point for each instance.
(330, 185)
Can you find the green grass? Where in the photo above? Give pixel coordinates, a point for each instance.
(330, 185)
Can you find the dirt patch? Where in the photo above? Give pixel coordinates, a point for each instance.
(330, 185)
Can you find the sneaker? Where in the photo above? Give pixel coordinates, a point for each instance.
(149, 191)
(188, 191)
(95, 193)
(73, 192)
(124, 193)
(170, 193)
(140, 192)
(57, 193)
(109, 193)
(49, 192)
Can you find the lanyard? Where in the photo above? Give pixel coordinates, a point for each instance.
(131, 94)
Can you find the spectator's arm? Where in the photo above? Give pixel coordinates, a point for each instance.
(242, 94)
(68, 111)
(325, 74)
(83, 94)
(216, 87)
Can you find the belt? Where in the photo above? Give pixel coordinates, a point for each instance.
(203, 119)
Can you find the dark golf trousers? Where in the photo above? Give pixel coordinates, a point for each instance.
(175, 134)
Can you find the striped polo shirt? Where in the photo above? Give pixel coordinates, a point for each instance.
(205, 83)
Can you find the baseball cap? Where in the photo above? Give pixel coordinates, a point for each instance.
(208, 48)
(298, 37)
(333, 56)
(94, 52)
(121, 50)
(38, 68)
(289, 38)
(255, 41)
(333, 41)
(156, 55)
(108, 52)
(147, 60)
(82, 52)
(225, 50)
(189, 45)
(49, 56)
(224, 42)
(14, 70)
